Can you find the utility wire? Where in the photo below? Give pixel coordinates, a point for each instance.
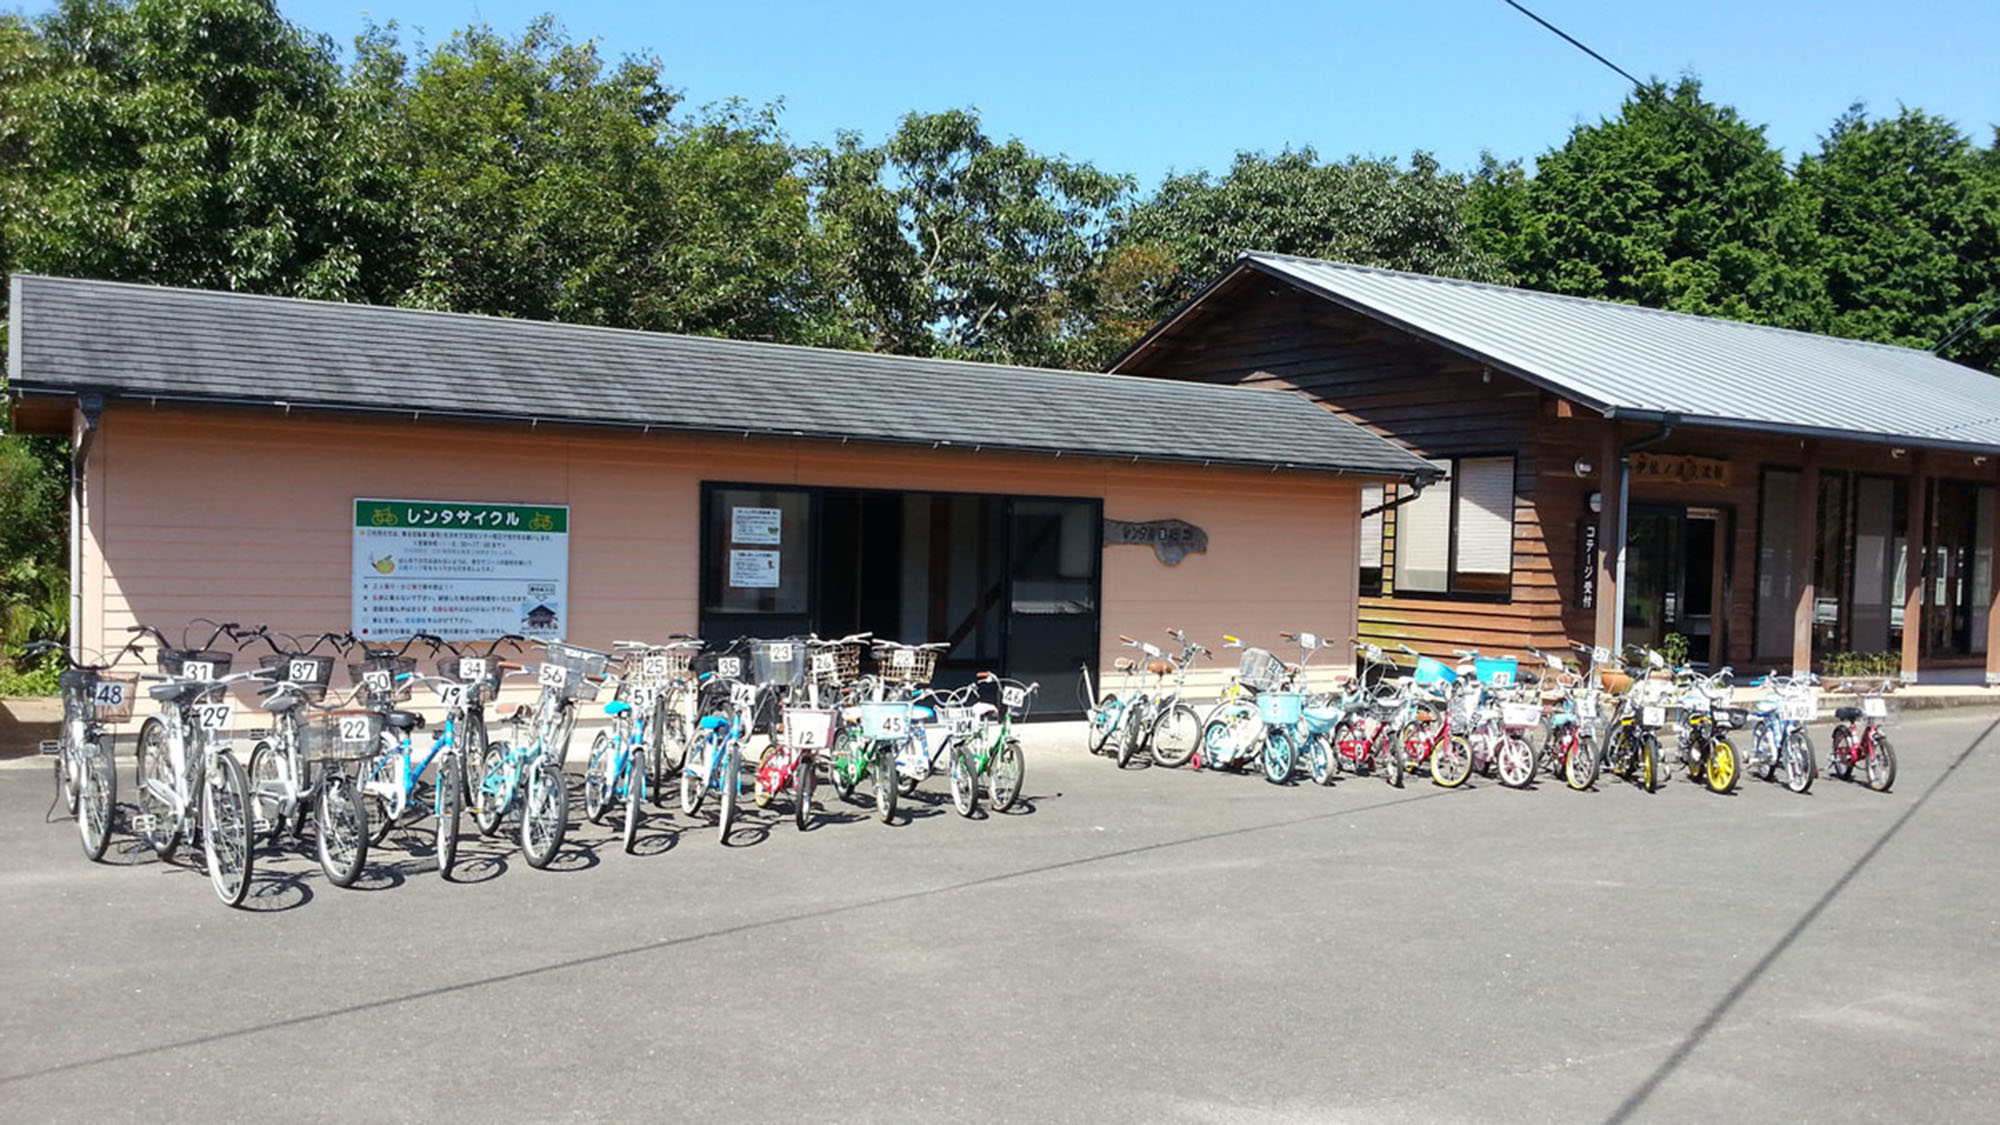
(1961, 330)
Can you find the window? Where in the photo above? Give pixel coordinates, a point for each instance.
(758, 551)
(1371, 540)
(1457, 536)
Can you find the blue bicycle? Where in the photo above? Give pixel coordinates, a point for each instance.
(617, 769)
(715, 760)
(526, 770)
(1296, 725)
(1778, 738)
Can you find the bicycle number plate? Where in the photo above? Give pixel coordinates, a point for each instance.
(892, 725)
(822, 662)
(472, 669)
(197, 670)
(451, 695)
(1308, 640)
(302, 671)
(960, 725)
(553, 675)
(654, 666)
(1011, 696)
(1586, 707)
(354, 728)
(781, 653)
(1652, 715)
(1500, 678)
(212, 716)
(1875, 708)
(728, 667)
(742, 695)
(48, 747)
(1519, 714)
(902, 657)
(377, 682)
(111, 693)
(1798, 710)
(1600, 655)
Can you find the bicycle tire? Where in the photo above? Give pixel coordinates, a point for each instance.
(732, 781)
(69, 771)
(761, 787)
(96, 800)
(565, 728)
(1451, 761)
(964, 782)
(1647, 763)
(694, 781)
(544, 813)
(471, 741)
(1799, 764)
(596, 785)
(1166, 743)
(1319, 760)
(450, 805)
(489, 804)
(1881, 764)
(1580, 765)
(163, 832)
(1395, 763)
(1722, 769)
(1130, 735)
(635, 792)
(1010, 763)
(268, 768)
(374, 808)
(1106, 720)
(340, 828)
(225, 830)
(1514, 761)
(803, 781)
(883, 773)
(1281, 755)
(841, 765)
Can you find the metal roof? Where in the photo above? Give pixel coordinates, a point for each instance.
(185, 345)
(1633, 362)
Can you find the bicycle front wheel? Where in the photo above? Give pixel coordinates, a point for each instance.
(597, 779)
(1719, 768)
(490, 793)
(1799, 767)
(450, 788)
(883, 773)
(225, 829)
(340, 821)
(964, 782)
(1104, 722)
(159, 820)
(1004, 776)
(544, 813)
(1517, 761)
(635, 791)
(1281, 755)
(1579, 763)
(97, 800)
(1176, 735)
(732, 780)
(69, 770)
(694, 776)
(802, 793)
(1451, 761)
(1881, 763)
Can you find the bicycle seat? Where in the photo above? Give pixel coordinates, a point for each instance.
(521, 712)
(1159, 668)
(404, 720)
(714, 722)
(921, 712)
(172, 692)
(1847, 714)
(1122, 664)
(617, 707)
(283, 700)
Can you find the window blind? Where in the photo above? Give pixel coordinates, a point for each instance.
(1486, 515)
(1371, 527)
(1423, 538)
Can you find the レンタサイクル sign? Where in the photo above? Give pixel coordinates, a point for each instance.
(1171, 540)
(460, 569)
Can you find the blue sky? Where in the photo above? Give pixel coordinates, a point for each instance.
(1174, 85)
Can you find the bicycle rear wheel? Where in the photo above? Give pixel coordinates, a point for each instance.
(225, 829)
(153, 771)
(1104, 722)
(732, 780)
(340, 823)
(1131, 734)
(97, 800)
(1176, 735)
(635, 791)
(450, 787)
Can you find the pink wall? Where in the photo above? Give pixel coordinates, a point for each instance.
(240, 515)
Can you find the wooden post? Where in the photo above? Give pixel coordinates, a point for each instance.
(1805, 546)
(1610, 540)
(1915, 553)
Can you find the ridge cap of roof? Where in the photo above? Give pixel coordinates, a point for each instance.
(1354, 267)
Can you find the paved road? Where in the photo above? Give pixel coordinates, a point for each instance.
(1156, 945)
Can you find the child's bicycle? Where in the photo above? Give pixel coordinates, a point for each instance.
(1232, 733)
(86, 778)
(1858, 741)
(675, 707)
(957, 713)
(809, 716)
(1368, 737)
(526, 770)
(995, 748)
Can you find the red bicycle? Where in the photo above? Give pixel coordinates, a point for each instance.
(1858, 741)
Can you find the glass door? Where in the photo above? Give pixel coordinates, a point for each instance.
(1053, 554)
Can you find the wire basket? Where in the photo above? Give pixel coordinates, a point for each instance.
(309, 674)
(810, 729)
(1260, 669)
(479, 674)
(105, 699)
(580, 670)
(343, 736)
(208, 664)
(778, 663)
(383, 678)
(834, 664)
(905, 664)
(658, 667)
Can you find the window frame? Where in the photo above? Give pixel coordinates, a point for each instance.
(1501, 591)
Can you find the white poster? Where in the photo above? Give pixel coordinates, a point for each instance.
(756, 525)
(753, 570)
(461, 570)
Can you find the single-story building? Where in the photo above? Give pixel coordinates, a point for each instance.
(323, 466)
(1621, 474)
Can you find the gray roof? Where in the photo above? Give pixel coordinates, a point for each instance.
(188, 345)
(1633, 362)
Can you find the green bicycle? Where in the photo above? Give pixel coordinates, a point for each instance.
(995, 750)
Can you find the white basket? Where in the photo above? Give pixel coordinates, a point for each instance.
(809, 728)
(958, 721)
(1519, 716)
(885, 722)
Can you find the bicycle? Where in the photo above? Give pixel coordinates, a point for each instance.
(1702, 732)
(1233, 730)
(1369, 733)
(1429, 735)
(84, 752)
(996, 750)
(296, 677)
(865, 743)
(189, 781)
(958, 718)
(1569, 750)
(1631, 744)
(527, 768)
(1778, 738)
(1296, 723)
(1493, 719)
(1105, 715)
(1155, 710)
(807, 726)
(714, 760)
(670, 667)
(1858, 741)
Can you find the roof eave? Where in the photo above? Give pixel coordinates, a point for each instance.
(1817, 433)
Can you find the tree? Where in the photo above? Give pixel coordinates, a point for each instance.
(34, 550)
(948, 242)
(1909, 218)
(1676, 204)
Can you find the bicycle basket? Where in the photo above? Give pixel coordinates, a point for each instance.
(885, 722)
(958, 721)
(343, 736)
(1259, 669)
(311, 673)
(810, 728)
(778, 663)
(581, 667)
(661, 666)
(1497, 671)
(384, 677)
(484, 677)
(106, 699)
(831, 665)
(902, 664)
(211, 664)
(1280, 708)
(1431, 671)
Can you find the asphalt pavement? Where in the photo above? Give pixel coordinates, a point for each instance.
(1144, 945)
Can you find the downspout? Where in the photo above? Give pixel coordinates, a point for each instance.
(1625, 452)
(90, 406)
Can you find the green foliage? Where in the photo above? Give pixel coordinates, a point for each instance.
(34, 546)
(1862, 664)
(1674, 647)
(20, 677)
